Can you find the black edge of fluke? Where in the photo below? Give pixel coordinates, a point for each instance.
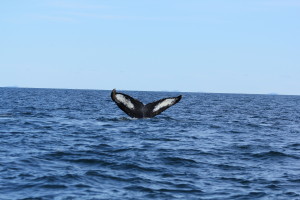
(136, 109)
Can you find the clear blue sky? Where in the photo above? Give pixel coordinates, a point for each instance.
(232, 46)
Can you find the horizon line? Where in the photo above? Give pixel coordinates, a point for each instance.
(177, 91)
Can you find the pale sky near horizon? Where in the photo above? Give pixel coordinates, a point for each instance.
(232, 46)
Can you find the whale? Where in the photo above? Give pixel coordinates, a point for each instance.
(136, 109)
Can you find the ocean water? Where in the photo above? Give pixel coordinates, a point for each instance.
(77, 144)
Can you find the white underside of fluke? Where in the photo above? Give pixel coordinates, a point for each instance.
(166, 102)
(121, 98)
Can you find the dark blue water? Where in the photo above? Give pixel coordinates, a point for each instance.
(77, 144)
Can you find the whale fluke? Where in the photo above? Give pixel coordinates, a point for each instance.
(136, 109)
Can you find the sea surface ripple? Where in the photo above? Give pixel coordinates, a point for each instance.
(77, 144)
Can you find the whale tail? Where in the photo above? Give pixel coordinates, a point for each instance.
(136, 109)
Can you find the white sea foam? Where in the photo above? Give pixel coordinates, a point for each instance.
(121, 98)
(166, 102)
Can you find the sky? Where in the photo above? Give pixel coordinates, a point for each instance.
(232, 46)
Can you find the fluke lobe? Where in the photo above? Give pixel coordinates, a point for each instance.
(136, 109)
